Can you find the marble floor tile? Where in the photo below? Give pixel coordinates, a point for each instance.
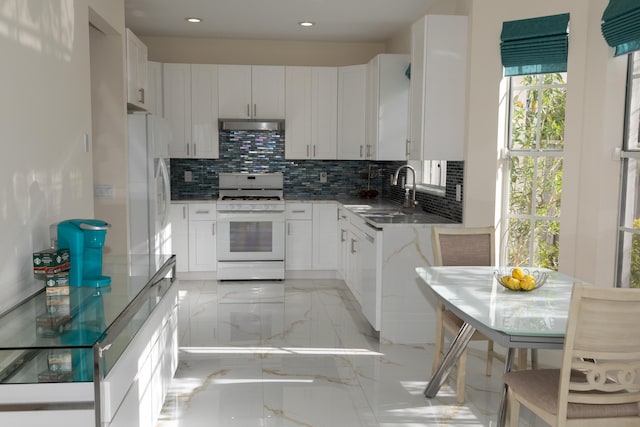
(300, 353)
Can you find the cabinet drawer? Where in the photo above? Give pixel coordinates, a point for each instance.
(202, 212)
(299, 211)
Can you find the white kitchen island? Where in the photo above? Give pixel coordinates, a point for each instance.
(384, 280)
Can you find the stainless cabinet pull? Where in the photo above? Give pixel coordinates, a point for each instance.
(141, 98)
(213, 229)
(203, 212)
(184, 212)
(307, 150)
(298, 211)
(195, 153)
(353, 246)
(342, 233)
(188, 151)
(255, 110)
(314, 150)
(408, 151)
(360, 150)
(248, 110)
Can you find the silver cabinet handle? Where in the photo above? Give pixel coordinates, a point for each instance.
(188, 151)
(141, 98)
(342, 233)
(195, 153)
(360, 150)
(184, 212)
(408, 151)
(248, 110)
(203, 211)
(213, 229)
(298, 211)
(255, 110)
(307, 150)
(353, 246)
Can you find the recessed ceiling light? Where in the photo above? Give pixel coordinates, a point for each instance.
(306, 24)
(193, 20)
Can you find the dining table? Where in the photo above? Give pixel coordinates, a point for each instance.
(535, 319)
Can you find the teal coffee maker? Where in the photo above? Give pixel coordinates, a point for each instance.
(85, 240)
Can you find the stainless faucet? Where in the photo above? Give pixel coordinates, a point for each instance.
(394, 181)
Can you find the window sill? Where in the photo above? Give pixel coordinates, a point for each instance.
(431, 189)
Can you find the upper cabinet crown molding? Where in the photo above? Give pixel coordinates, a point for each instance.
(251, 91)
(438, 87)
(136, 72)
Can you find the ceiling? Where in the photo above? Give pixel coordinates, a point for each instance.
(371, 21)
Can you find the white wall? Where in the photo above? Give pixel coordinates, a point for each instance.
(45, 173)
(595, 108)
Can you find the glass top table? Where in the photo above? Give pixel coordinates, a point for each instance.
(43, 325)
(513, 319)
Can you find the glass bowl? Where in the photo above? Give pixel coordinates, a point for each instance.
(525, 278)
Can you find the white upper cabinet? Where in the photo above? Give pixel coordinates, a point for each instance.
(352, 102)
(311, 112)
(251, 91)
(191, 107)
(154, 86)
(387, 107)
(438, 87)
(136, 72)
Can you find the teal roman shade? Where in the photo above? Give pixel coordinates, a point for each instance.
(535, 46)
(621, 25)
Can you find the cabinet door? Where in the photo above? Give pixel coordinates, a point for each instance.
(325, 244)
(416, 122)
(438, 53)
(324, 112)
(267, 92)
(154, 88)
(353, 263)
(299, 239)
(204, 111)
(387, 107)
(202, 246)
(180, 235)
(342, 239)
(298, 113)
(234, 91)
(177, 107)
(352, 92)
(136, 71)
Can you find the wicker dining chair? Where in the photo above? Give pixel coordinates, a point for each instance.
(461, 246)
(598, 383)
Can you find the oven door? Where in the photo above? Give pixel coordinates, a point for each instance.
(250, 236)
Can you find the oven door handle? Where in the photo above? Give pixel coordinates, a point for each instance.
(222, 211)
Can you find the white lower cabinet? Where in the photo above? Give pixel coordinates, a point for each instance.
(360, 263)
(299, 236)
(310, 241)
(193, 229)
(179, 216)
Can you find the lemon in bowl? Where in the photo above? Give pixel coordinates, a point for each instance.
(520, 279)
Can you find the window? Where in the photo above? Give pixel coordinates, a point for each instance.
(434, 173)
(533, 184)
(628, 257)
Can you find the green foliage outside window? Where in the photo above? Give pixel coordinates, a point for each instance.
(535, 171)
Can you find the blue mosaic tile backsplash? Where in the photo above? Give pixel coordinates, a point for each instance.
(263, 152)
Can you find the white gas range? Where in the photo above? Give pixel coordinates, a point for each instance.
(251, 233)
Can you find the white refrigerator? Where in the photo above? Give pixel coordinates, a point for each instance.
(149, 185)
